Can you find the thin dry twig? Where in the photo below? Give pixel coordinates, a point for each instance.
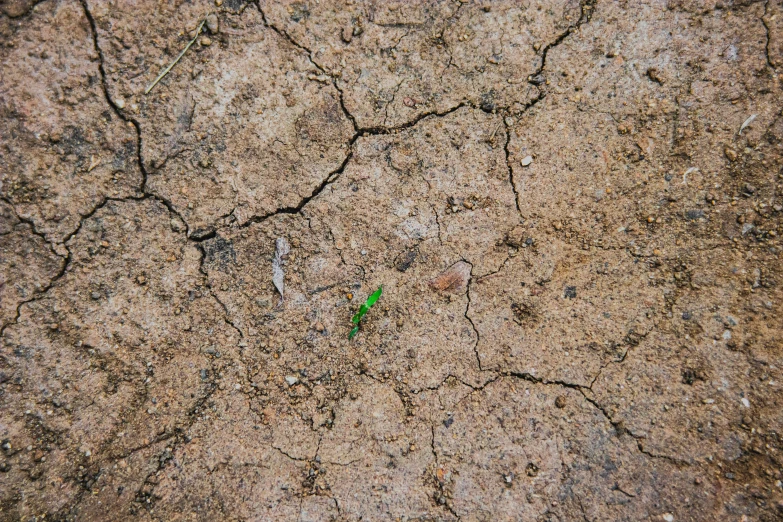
(167, 69)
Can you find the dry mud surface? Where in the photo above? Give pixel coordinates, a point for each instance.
(574, 209)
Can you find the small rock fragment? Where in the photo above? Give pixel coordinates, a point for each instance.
(730, 154)
(212, 23)
(526, 161)
(517, 236)
(206, 41)
(405, 260)
(560, 402)
(291, 380)
(347, 33)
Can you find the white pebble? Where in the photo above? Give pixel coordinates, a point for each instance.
(527, 160)
(291, 380)
(668, 517)
(745, 402)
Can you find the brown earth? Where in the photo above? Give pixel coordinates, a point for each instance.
(574, 210)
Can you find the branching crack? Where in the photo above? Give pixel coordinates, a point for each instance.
(618, 426)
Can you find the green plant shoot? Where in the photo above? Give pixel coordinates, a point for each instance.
(356, 319)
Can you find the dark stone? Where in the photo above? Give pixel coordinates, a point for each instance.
(695, 214)
(405, 260)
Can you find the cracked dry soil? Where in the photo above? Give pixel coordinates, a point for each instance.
(573, 215)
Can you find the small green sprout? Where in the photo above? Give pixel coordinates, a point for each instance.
(363, 310)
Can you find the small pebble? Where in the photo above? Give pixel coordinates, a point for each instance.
(291, 380)
(347, 34)
(206, 41)
(319, 326)
(730, 154)
(212, 23)
(560, 402)
(668, 517)
(120, 103)
(527, 160)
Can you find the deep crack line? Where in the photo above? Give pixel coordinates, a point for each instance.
(510, 168)
(769, 38)
(586, 12)
(334, 175)
(467, 310)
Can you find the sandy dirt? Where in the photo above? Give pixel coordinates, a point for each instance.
(575, 211)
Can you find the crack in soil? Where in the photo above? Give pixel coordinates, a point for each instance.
(767, 44)
(467, 309)
(618, 426)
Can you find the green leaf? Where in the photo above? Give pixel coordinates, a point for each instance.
(374, 297)
(356, 319)
(353, 332)
(358, 316)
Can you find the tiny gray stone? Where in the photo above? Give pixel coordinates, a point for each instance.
(212, 24)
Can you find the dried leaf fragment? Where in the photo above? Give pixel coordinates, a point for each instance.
(282, 248)
(746, 123)
(454, 279)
